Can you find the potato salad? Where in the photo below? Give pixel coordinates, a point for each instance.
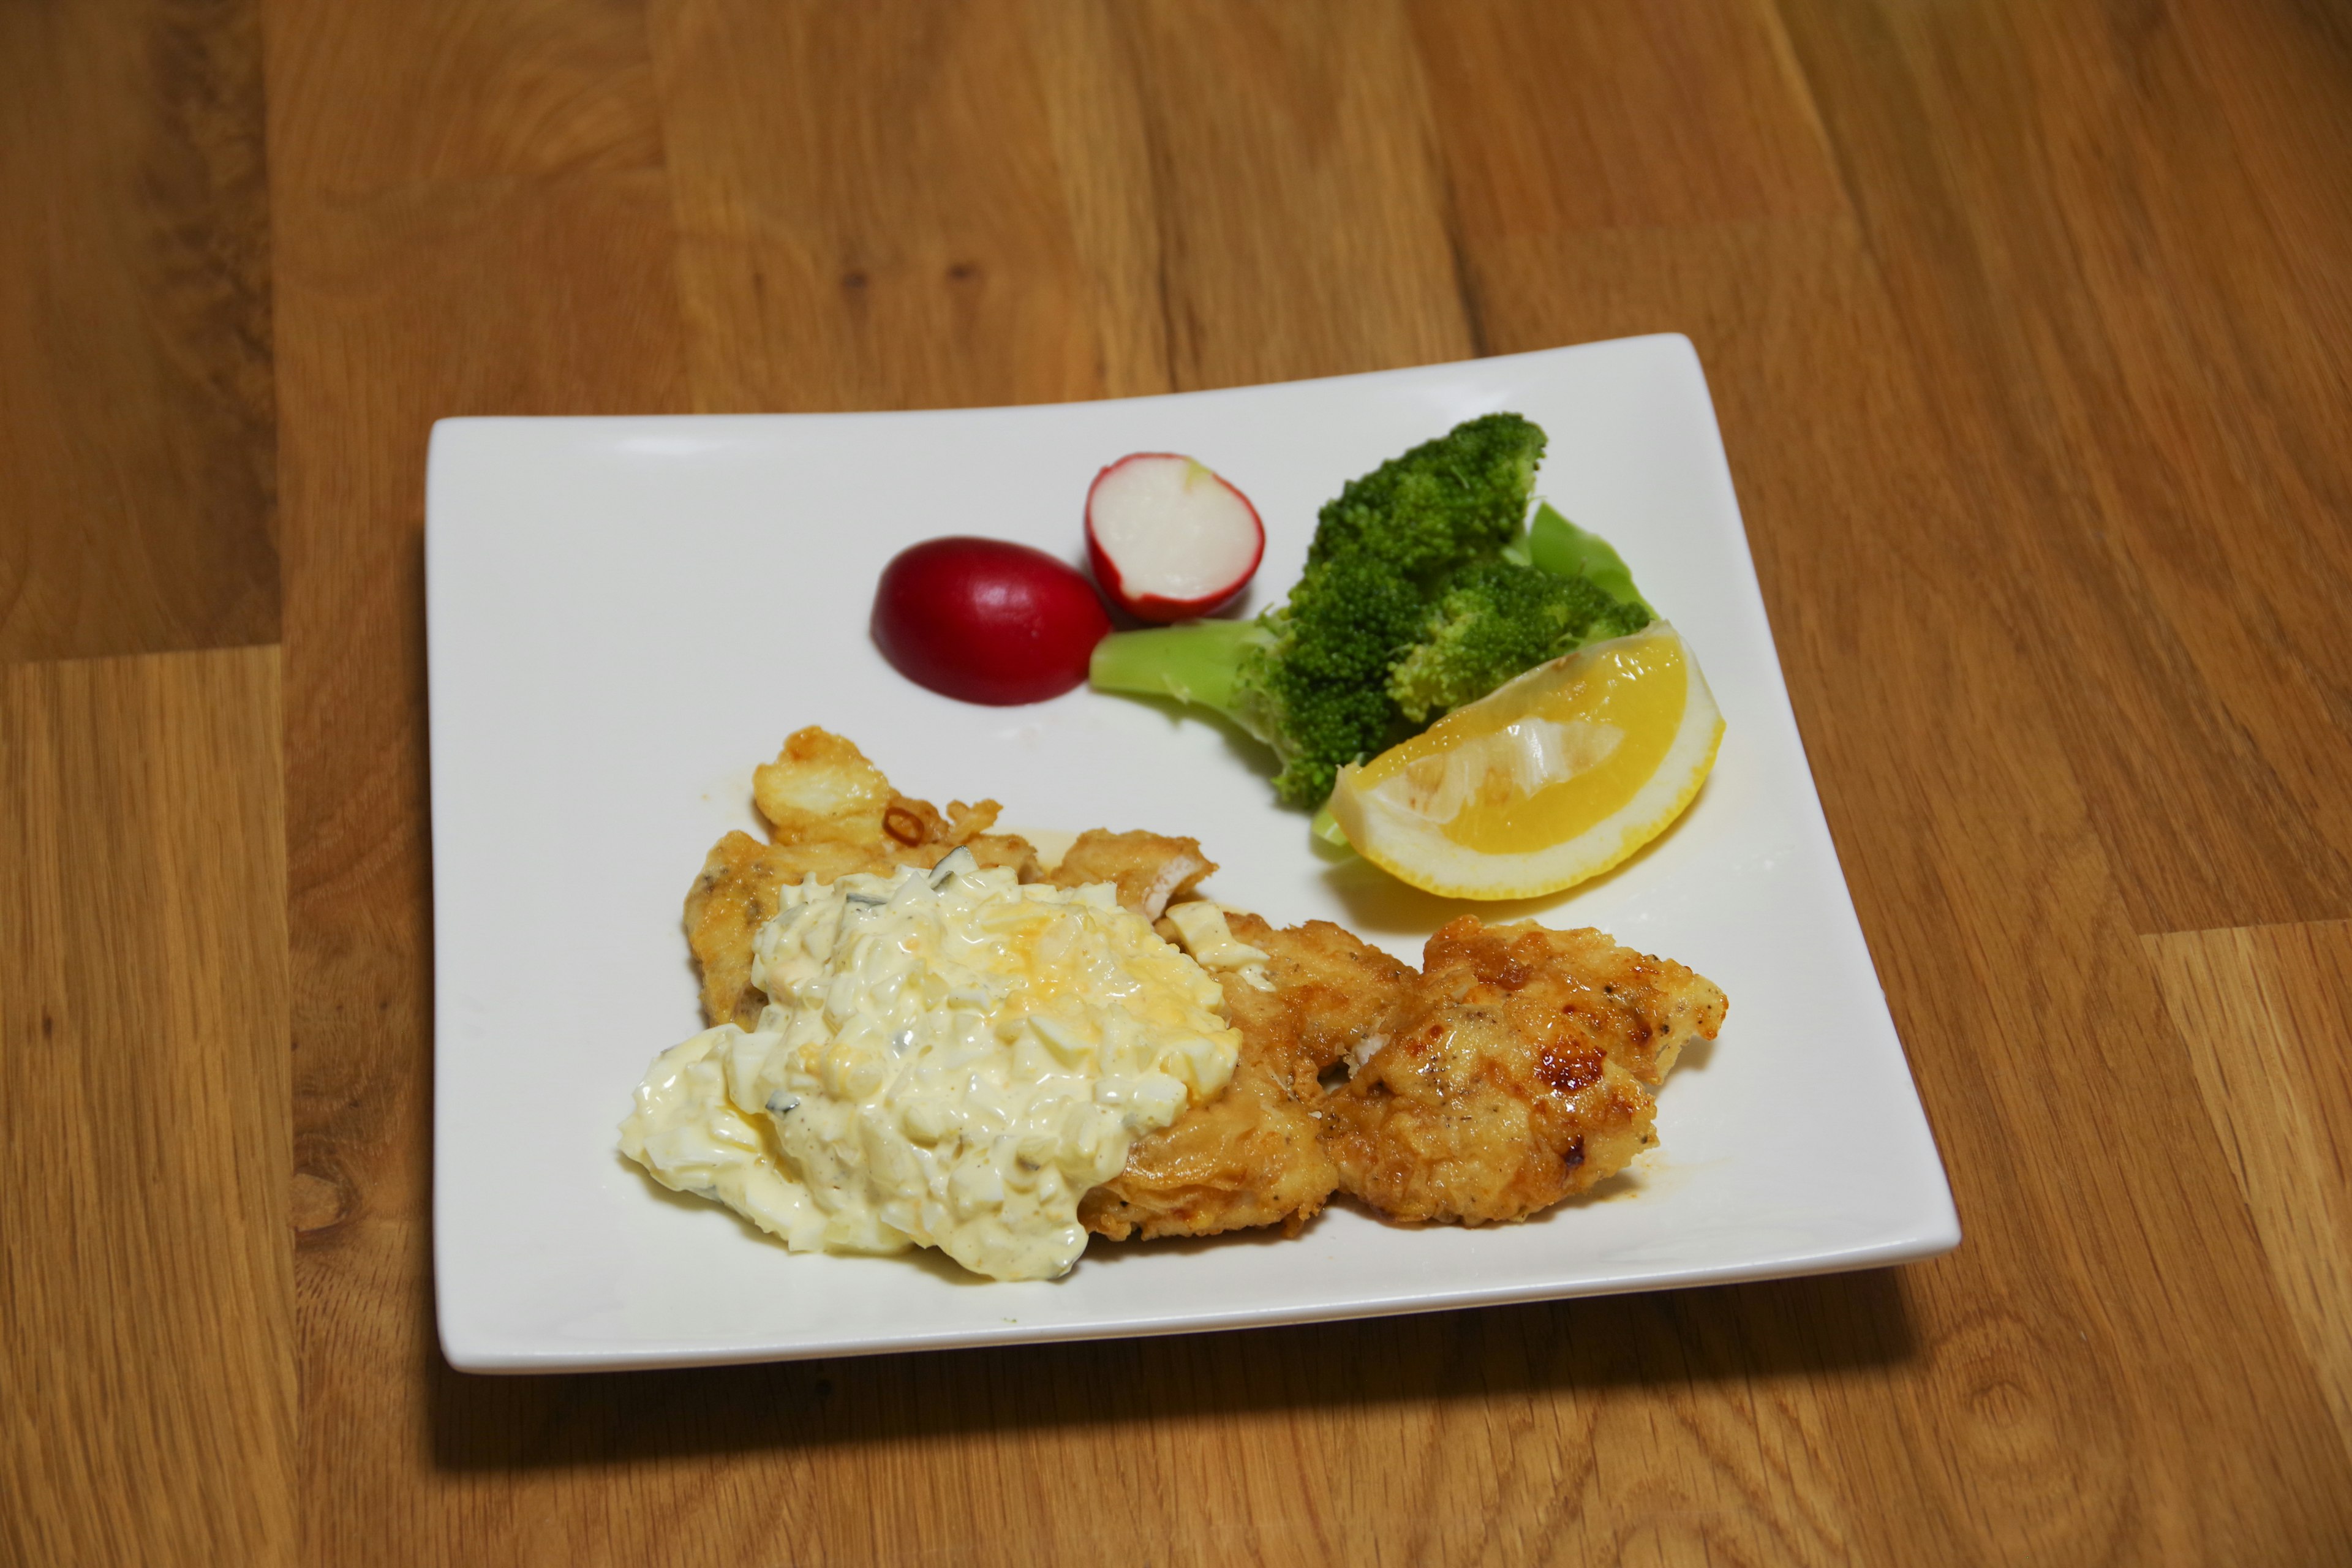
(948, 1059)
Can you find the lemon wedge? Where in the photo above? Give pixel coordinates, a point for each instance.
(1551, 778)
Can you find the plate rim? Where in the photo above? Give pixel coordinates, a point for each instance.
(468, 1346)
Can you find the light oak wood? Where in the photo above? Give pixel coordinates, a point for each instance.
(2101, 232)
(1301, 209)
(2266, 1014)
(138, 468)
(1574, 119)
(147, 1398)
(868, 210)
(2026, 325)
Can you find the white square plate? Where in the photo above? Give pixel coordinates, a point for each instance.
(626, 615)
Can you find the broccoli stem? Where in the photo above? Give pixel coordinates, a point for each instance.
(1192, 663)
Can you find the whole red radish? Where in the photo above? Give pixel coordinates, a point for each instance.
(987, 620)
(1167, 537)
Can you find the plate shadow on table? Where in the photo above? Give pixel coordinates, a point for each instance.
(1685, 1342)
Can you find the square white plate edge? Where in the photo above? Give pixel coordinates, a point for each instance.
(469, 1350)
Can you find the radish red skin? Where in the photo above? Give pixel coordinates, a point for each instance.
(1145, 605)
(986, 620)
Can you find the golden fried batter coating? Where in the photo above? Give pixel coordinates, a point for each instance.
(1329, 989)
(831, 813)
(821, 787)
(1146, 869)
(1254, 1155)
(1514, 1074)
(735, 896)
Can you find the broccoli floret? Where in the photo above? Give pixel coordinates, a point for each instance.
(1442, 505)
(1410, 606)
(1494, 620)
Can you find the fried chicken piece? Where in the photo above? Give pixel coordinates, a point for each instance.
(830, 813)
(1328, 990)
(736, 894)
(1148, 870)
(1515, 1073)
(821, 789)
(1252, 1157)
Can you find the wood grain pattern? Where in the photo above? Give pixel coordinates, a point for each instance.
(2266, 1014)
(868, 208)
(137, 451)
(1302, 216)
(147, 1410)
(461, 90)
(2027, 328)
(1101, 145)
(2089, 250)
(1614, 117)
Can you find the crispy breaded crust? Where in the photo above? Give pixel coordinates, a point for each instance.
(1254, 1155)
(1149, 870)
(1514, 1074)
(821, 787)
(830, 813)
(1330, 989)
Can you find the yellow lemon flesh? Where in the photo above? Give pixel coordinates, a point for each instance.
(1552, 778)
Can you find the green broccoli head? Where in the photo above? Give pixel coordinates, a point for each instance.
(1318, 692)
(1449, 501)
(1494, 620)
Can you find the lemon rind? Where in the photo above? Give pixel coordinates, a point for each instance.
(1455, 871)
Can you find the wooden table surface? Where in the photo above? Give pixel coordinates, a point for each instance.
(2028, 324)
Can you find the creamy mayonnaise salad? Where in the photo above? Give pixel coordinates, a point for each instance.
(948, 1059)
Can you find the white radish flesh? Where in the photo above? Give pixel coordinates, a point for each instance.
(1167, 537)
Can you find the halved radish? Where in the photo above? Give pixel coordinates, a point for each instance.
(987, 620)
(1169, 539)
